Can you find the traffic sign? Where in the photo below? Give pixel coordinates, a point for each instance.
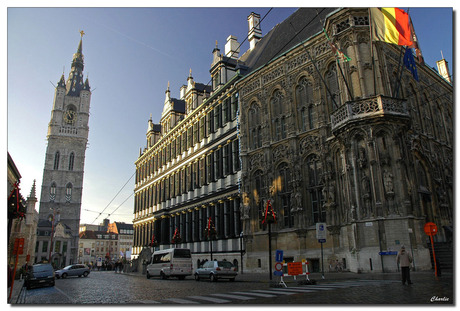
(430, 228)
(294, 268)
(18, 246)
(279, 255)
(321, 240)
(321, 230)
(278, 273)
(278, 266)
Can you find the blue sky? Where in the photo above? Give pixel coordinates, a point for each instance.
(130, 55)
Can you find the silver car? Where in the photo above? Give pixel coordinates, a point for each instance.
(215, 270)
(73, 270)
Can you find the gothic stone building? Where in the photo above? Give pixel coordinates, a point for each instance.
(370, 157)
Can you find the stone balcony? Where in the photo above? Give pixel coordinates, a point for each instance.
(367, 109)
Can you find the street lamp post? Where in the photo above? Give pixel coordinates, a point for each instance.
(241, 250)
(269, 218)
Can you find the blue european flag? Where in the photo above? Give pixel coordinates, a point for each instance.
(409, 62)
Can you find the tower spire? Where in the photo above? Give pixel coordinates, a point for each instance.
(74, 82)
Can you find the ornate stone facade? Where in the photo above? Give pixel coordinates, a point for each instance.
(344, 143)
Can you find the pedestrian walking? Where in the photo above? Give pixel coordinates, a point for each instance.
(404, 259)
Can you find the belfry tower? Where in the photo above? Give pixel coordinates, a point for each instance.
(62, 184)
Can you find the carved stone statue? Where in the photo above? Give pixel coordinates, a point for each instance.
(244, 206)
(388, 181)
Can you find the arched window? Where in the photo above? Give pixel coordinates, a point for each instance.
(314, 189)
(284, 194)
(304, 98)
(68, 192)
(56, 160)
(333, 85)
(279, 122)
(71, 161)
(255, 128)
(53, 192)
(258, 186)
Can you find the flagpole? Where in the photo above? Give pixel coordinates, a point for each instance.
(372, 49)
(338, 61)
(400, 65)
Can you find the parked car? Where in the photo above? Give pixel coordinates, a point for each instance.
(73, 270)
(215, 270)
(39, 275)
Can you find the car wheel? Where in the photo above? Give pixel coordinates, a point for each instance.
(232, 279)
(64, 275)
(85, 274)
(197, 277)
(148, 275)
(213, 278)
(163, 276)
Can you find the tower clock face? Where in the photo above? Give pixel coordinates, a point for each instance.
(69, 116)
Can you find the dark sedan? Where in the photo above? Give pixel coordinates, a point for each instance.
(39, 275)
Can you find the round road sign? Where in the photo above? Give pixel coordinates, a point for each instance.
(278, 266)
(430, 228)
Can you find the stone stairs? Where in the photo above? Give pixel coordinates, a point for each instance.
(444, 253)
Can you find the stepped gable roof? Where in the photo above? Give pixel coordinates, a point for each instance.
(306, 21)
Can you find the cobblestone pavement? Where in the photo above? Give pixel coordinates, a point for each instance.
(249, 288)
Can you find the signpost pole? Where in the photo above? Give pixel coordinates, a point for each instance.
(322, 265)
(270, 250)
(431, 229)
(434, 257)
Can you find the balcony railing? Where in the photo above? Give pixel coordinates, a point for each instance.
(368, 108)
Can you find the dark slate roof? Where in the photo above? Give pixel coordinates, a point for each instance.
(156, 127)
(122, 225)
(203, 87)
(305, 21)
(178, 105)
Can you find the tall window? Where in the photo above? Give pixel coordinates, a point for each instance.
(304, 97)
(277, 111)
(314, 189)
(71, 161)
(333, 85)
(255, 127)
(56, 160)
(258, 185)
(284, 174)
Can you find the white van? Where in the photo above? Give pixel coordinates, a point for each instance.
(176, 262)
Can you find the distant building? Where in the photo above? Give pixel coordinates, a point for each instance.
(105, 242)
(22, 220)
(62, 184)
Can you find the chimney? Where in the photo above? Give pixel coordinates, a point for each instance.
(255, 33)
(443, 69)
(232, 47)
